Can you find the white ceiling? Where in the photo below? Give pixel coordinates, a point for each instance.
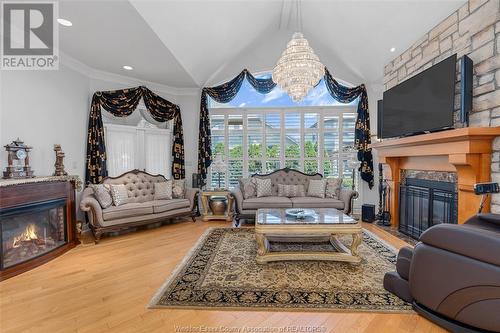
(196, 43)
(109, 34)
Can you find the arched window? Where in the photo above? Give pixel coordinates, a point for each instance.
(248, 97)
(260, 133)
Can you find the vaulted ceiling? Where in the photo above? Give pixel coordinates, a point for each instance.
(200, 42)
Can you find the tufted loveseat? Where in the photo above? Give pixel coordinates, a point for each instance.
(141, 208)
(246, 208)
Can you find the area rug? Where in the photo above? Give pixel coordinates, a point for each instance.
(220, 272)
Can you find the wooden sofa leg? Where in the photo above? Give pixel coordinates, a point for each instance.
(193, 217)
(97, 236)
(237, 221)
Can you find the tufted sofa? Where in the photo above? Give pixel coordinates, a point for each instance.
(246, 208)
(141, 208)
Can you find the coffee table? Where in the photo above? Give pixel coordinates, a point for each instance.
(274, 224)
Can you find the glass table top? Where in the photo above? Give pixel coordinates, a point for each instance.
(329, 216)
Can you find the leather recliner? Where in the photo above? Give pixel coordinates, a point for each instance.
(452, 275)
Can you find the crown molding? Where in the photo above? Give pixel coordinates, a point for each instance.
(97, 74)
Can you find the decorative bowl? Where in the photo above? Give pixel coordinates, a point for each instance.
(299, 213)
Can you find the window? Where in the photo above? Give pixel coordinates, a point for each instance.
(137, 147)
(258, 140)
(248, 97)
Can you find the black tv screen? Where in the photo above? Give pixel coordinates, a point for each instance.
(422, 103)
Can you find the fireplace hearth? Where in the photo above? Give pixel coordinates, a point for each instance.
(424, 203)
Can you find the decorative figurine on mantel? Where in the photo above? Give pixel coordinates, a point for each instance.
(59, 165)
(18, 160)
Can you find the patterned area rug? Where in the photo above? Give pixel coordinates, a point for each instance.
(220, 272)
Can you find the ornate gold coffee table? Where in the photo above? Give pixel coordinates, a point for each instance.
(275, 225)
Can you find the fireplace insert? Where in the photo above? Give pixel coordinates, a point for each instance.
(31, 230)
(424, 203)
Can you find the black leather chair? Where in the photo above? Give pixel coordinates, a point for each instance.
(452, 275)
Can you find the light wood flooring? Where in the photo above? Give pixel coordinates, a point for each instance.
(106, 288)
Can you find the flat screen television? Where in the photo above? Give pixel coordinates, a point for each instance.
(423, 103)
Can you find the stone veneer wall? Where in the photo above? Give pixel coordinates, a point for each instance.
(474, 30)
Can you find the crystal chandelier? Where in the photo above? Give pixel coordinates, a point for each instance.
(299, 69)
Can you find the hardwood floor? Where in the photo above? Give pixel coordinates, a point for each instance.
(106, 288)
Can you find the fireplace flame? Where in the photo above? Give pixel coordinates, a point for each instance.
(29, 234)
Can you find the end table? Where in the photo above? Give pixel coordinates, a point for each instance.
(207, 214)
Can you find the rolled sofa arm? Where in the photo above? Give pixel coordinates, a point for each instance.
(94, 211)
(347, 195)
(238, 199)
(192, 195)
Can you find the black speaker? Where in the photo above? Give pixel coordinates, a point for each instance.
(368, 213)
(380, 110)
(196, 181)
(466, 74)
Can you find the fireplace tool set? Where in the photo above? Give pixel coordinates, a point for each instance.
(384, 190)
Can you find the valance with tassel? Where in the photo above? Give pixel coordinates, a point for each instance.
(121, 103)
(224, 93)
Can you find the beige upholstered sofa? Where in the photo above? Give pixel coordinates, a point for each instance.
(141, 209)
(246, 208)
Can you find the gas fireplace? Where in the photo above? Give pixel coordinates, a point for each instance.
(37, 222)
(424, 203)
(29, 231)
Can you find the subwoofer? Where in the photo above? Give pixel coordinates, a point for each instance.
(368, 213)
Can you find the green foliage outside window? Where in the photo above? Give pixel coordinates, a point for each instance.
(311, 149)
(236, 152)
(218, 149)
(292, 151)
(310, 167)
(273, 151)
(254, 150)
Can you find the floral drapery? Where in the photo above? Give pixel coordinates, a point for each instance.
(362, 138)
(224, 93)
(121, 103)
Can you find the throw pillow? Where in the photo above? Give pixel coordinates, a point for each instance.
(316, 188)
(248, 187)
(264, 188)
(178, 188)
(101, 193)
(333, 186)
(119, 194)
(163, 190)
(291, 190)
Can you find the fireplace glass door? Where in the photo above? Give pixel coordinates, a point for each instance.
(31, 230)
(425, 203)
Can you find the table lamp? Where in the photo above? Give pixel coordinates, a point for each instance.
(219, 166)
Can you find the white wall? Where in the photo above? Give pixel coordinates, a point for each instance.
(190, 111)
(43, 108)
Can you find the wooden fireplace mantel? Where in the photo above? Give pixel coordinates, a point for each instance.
(466, 151)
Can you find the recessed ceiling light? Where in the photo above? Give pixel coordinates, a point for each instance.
(128, 68)
(64, 22)
(392, 49)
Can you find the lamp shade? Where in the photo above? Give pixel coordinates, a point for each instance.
(218, 165)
